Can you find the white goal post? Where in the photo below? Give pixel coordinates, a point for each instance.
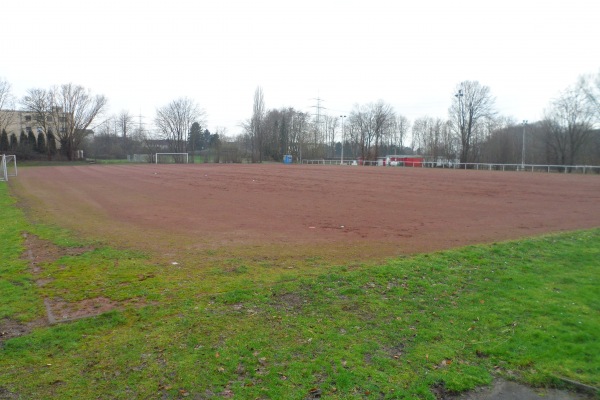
(8, 166)
(171, 158)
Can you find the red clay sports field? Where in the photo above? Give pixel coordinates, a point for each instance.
(341, 212)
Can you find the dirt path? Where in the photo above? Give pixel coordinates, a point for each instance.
(504, 390)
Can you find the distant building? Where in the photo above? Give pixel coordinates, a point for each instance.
(17, 121)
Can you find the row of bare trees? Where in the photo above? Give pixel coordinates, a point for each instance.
(472, 132)
(66, 112)
(369, 130)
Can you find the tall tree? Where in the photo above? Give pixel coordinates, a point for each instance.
(298, 133)
(175, 121)
(472, 105)
(6, 104)
(32, 140)
(195, 138)
(399, 133)
(125, 122)
(368, 127)
(429, 137)
(74, 108)
(40, 103)
(4, 143)
(13, 142)
(569, 123)
(256, 125)
(330, 125)
(360, 133)
(41, 143)
(51, 145)
(590, 86)
(383, 119)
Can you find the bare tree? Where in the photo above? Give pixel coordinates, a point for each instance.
(74, 108)
(125, 122)
(383, 117)
(471, 106)
(40, 103)
(368, 127)
(298, 133)
(331, 124)
(590, 86)
(256, 122)
(397, 138)
(568, 125)
(504, 143)
(360, 130)
(175, 121)
(6, 104)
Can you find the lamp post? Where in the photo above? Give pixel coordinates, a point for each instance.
(523, 148)
(459, 95)
(461, 125)
(342, 160)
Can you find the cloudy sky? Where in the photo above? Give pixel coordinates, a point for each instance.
(144, 54)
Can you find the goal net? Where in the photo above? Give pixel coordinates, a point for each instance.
(8, 166)
(171, 158)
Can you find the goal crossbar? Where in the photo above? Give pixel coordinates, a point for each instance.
(174, 155)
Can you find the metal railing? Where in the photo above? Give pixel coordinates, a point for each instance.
(579, 169)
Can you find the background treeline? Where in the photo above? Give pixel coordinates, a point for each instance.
(472, 132)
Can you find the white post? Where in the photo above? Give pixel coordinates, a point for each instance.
(342, 159)
(523, 149)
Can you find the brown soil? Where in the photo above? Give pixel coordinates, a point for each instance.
(345, 213)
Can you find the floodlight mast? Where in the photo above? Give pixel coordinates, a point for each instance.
(459, 96)
(523, 148)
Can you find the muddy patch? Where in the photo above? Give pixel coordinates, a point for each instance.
(58, 310)
(506, 390)
(40, 252)
(289, 302)
(10, 328)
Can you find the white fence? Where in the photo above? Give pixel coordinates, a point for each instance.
(171, 158)
(140, 158)
(580, 169)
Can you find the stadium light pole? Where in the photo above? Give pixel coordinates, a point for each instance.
(461, 120)
(342, 160)
(523, 148)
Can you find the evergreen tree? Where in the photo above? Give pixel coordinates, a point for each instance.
(31, 140)
(13, 141)
(195, 138)
(4, 144)
(206, 138)
(23, 138)
(51, 144)
(41, 142)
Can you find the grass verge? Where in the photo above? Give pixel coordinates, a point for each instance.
(525, 310)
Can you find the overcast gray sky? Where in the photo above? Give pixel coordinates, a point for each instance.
(144, 54)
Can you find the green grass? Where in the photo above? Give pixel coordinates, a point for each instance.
(525, 310)
(18, 294)
(47, 163)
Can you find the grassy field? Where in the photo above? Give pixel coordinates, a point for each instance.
(524, 310)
